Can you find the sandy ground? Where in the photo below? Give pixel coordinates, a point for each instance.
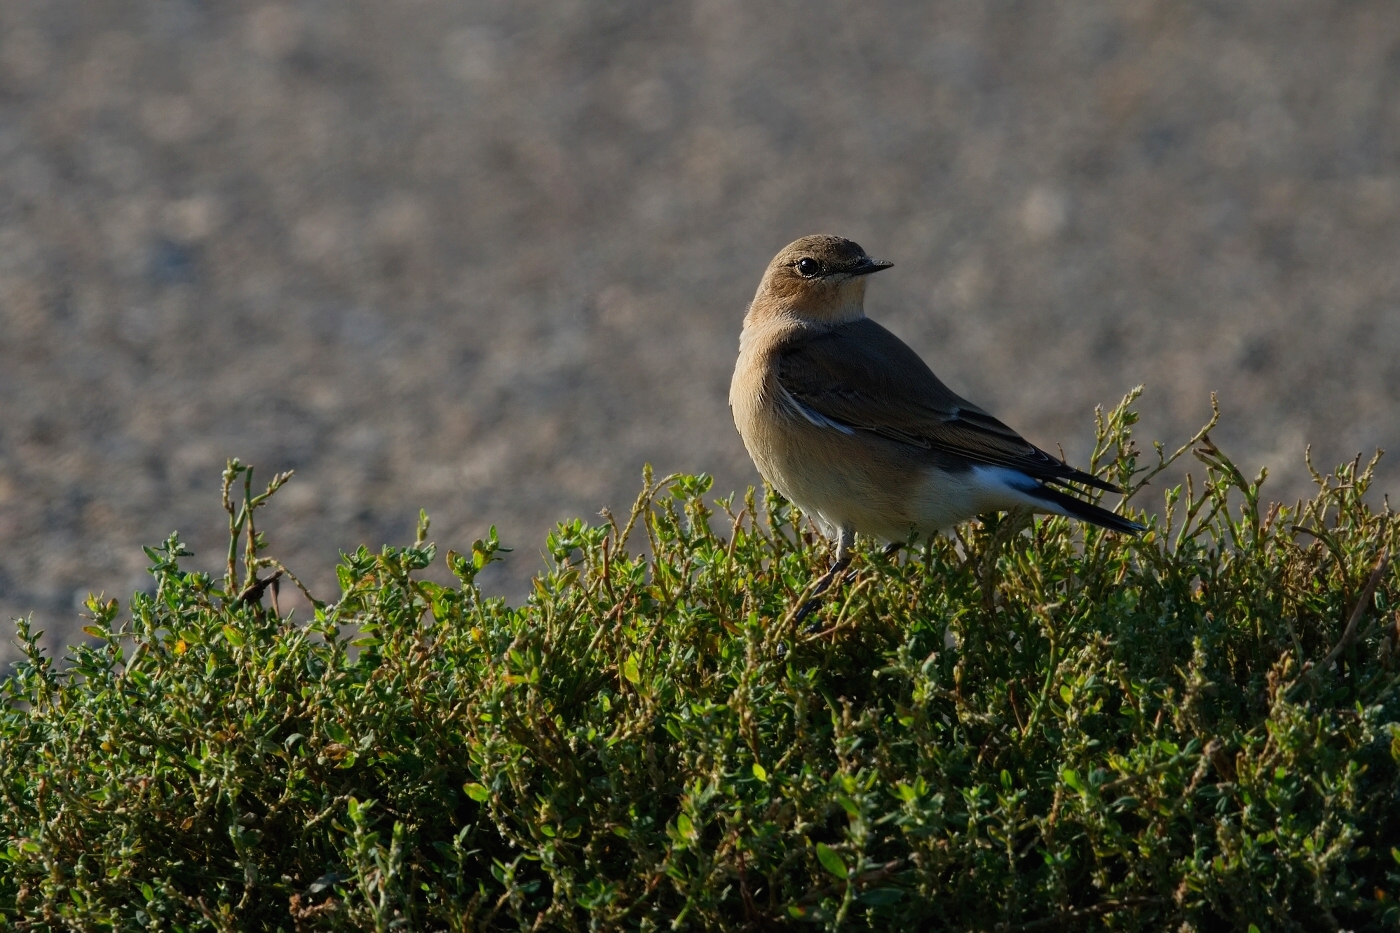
(487, 259)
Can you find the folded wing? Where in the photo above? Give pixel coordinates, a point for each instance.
(861, 377)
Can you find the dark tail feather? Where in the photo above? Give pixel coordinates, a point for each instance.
(1088, 512)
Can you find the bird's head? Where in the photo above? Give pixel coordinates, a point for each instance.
(817, 278)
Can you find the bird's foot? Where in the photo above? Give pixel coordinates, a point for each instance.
(893, 548)
(830, 576)
(824, 584)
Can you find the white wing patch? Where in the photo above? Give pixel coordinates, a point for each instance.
(813, 416)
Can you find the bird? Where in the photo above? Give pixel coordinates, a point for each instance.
(847, 422)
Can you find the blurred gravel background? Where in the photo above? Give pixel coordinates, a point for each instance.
(488, 258)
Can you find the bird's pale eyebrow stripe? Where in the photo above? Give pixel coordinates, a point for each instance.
(812, 415)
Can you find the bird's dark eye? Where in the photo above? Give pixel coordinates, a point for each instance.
(808, 267)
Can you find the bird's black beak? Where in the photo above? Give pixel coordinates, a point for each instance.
(871, 265)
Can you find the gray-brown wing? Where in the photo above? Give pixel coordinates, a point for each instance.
(861, 377)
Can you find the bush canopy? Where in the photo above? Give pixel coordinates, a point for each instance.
(1025, 726)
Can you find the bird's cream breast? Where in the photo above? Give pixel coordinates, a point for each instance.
(751, 396)
(765, 427)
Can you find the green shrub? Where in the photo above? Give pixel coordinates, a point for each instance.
(1028, 726)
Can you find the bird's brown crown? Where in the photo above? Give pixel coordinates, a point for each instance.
(818, 278)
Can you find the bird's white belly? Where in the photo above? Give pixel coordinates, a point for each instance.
(926, 502)
(944, 499)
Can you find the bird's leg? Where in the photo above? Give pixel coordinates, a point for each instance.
(845, 540)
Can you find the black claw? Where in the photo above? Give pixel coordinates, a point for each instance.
(809, 607)
(830, 576)
(824, 584)
(892, 548)
(834, 572)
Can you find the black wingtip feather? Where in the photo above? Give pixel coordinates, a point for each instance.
(1088, 512)
(1086, 479)
(1054, 470)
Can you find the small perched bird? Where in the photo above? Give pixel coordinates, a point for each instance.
(846, 421)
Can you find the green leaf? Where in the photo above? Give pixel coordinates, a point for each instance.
(477, 792)
(630, 669)
(760, 773)
(831, 861)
